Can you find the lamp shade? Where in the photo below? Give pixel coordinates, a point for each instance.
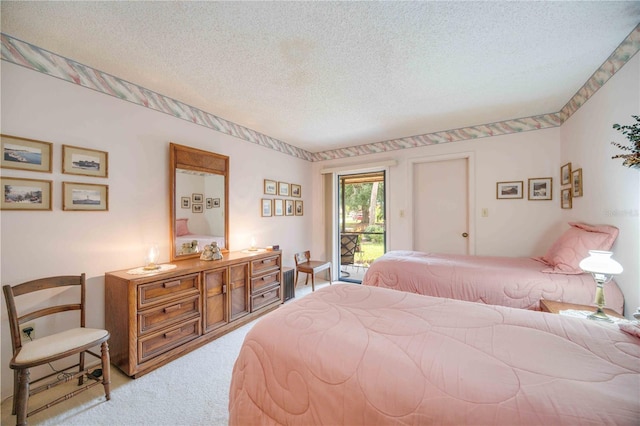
(600, 262)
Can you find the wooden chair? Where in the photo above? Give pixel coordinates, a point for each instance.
(43, 350)
(310, 267)
(348, 247)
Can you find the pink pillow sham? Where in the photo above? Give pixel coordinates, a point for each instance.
(566, 253)
(181, 227)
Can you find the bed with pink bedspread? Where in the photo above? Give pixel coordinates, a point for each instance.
(517, 282)
(357, 355)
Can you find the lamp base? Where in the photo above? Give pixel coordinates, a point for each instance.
(599, 315)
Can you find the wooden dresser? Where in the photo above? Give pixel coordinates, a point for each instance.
(156, 318)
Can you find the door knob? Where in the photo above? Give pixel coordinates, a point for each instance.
(465, 235)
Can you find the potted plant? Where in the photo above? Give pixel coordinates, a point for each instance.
(632, 133)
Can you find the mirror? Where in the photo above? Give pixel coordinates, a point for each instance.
(199, 201)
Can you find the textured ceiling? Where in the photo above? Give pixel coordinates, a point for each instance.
(326, 75)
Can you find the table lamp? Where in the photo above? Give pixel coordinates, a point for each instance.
(602, 267)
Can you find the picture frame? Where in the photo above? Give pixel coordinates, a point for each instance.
(25, 154)
(197, 198)
(265, 208)
(185, 202)
(541, 189)
(576, 183)
(209, 203)
(25, 194)
(270, 187)
(85, 196)
(288, 207)
(565, 174)
(283, 189)
(509, 190)
(84, 161)
(296, 191)
(299, 208)
(216, 203)
(565, 198)
(278, 207)
(196, 208)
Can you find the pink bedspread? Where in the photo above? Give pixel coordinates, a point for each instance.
(355, 355)
(508, 281)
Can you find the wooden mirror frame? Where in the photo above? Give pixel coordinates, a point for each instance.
(184, 157)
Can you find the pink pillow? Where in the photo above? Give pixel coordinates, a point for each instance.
(574, 245)
(181, 227)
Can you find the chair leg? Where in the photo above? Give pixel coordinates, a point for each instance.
(296, 283)
(22, 396)
(306, 281)
(15, 392)
(80, 369)
(106, 370)
(313, 282)
(330, 279)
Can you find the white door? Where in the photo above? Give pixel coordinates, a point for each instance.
(440, 206)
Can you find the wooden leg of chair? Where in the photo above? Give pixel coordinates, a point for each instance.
(313, 282)
(330, 279)
(22, 396)
(81, 368)
(307, 280)
(106, 370)
(15, 392)
(296, 283)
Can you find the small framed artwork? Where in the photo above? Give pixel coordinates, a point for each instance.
(296, 191)
(270, 187)
(299, 208)
(25, 194)
(576, 183)
(84, 161)
(216, 203)
(196, 208)
(185, 202)
(565, 174)
(278, 207)
(541, 188)
(283, 189)
(266, 207)
(196, 198)
(85, 196)
(25, 154)
(209, 203)
(565, 198)
(509, 190)
(288, 207)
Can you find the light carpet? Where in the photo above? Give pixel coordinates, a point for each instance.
(192, 390)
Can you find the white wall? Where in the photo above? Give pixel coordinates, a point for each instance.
(39, 244)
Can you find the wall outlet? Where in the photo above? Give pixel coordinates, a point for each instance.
(485, 212)
(28, 331)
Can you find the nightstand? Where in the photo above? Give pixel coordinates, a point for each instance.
(555, 308)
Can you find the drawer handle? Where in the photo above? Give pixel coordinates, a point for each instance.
(170, 334)
(264, 295)
(224, 289)
(172, 308)
(171, 284)
(264, 262)
(268, 277)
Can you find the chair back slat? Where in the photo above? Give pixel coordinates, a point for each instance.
(48, 311)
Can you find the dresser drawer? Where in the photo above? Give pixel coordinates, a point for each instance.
(263, 265)
(268, 297)
(159, 343)
(260, 283)
(174, 288)
(167, 314)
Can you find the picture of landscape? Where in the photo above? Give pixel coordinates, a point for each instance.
(22, 154)
(22, 194)
(85, 162)
(89, 197)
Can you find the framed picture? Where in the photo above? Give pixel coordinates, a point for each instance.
(270, 187)
(296, 191)
(541, 188)
(209, 203)
(266, 207)
(196, 208)
(576, 183)
(565, 198)
(278, 207)
(299, 209)
(185, 202)
(85, 196)
(288, 207)
(565, 174)
(216, 203)
(509, 190)
(25, 154)
(25, 194)
(84, 161)
(196, 198)
(283, 188)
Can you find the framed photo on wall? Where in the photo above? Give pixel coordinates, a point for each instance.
(541, 188)
(196, 208)
(85, 196)
(25, 154)
(185, 202)
(288, 207)
(266, 207)
(296, 190)
(216, 203)
(278, 207)
(84, 161)
(209, 203)
(509, 190)
(576, 183)
(565, 174)
(565, 198)
(283, 188)
(270, 187)
(25, 194)
(196, 198)
(299, 208)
